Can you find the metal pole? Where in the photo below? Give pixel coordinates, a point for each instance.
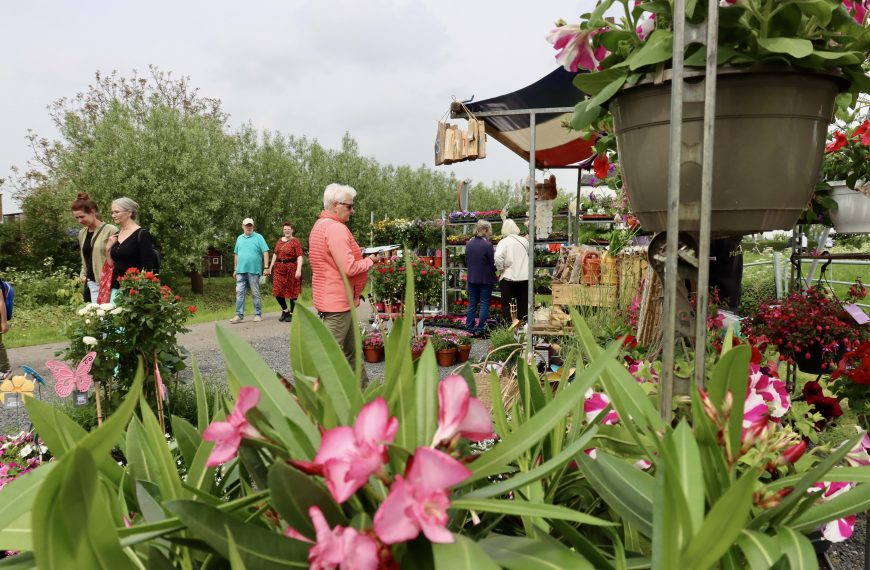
(444, 262)
(577, 212)
(815, 263)
(531, 314)
(670, 285)
(712, 40)
(777, 273)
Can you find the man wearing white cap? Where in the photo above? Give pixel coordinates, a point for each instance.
(250, 259)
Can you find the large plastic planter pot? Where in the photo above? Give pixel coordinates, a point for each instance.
(853, 210)
(769, 137)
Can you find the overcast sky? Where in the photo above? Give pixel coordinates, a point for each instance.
(382, 70)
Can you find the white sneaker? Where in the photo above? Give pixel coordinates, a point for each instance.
(257, 318)
(236, 320)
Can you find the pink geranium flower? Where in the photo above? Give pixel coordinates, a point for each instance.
(459, 413)
(574, 45)
(350, 455)
(228, 434)
(419, 501)
(341, 548)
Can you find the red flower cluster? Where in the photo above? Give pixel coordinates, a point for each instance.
(855, 364)
(828, 406)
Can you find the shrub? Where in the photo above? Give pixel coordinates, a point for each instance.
(53, 285)
(758, 286)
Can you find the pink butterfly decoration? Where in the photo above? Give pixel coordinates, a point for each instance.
(67, 380)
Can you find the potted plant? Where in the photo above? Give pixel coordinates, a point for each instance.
(846, 168)
(445, 348)
(418, 343)
(766, 138)
(463, 345)
(373, 347)
(809, 328)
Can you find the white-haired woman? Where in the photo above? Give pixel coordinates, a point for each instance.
(479, 258)
(512, 260)
(132, 247)
(332, 250)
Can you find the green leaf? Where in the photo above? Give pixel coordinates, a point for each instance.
(628, 490)
(258, 547)
(523, 553)
(583, 545)
(818, 9)
(336, 376)
(16, 499)
(583, 115)
(72, 487)
(187, 437)
(797, 549)
(141, 464)
(149, 501)
(534, 430)
(760, 550)
(594, 82)
(795, 47)
(164, 468)
(536, 474)
(276, 403)
(723, 524)
(426, 391)
(236, 562)
(461, 554)
(524, 509)
(608, 91)
(849, 503)
(658, 48)
(201, 398)
(293, 493)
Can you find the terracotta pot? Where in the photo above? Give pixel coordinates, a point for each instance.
(416, 355)
(770, 138)
(463, 352)
(428, 260)
(446, 357)
(380, 307)
(373, 354)
(437, 261)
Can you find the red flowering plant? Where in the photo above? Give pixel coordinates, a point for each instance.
(805, 326)
(388, 280)
(373, 340)
(852, 379)
(144, 320)
(847, 155)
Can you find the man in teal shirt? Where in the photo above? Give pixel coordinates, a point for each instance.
(251, 259)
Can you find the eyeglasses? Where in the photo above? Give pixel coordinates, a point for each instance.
(348, 206)
(119, 211)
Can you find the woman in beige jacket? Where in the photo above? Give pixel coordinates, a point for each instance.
(93, 238)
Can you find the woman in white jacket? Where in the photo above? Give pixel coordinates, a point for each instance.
(512, 260)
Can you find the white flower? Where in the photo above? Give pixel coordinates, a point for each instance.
(87, 321)
(83, 310)
(89, 340)
(26, 450)
(101, 312)
(116, 311)
(43, 449)
(107, 306)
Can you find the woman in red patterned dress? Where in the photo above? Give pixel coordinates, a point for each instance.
(286, 269)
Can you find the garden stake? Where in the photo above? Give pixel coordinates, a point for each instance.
(159, 389)
(99, 405)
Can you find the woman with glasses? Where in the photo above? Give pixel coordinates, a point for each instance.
(133, 246)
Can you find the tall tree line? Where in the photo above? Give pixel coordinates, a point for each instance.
(156, 139)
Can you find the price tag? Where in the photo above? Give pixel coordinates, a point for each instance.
(857, 313)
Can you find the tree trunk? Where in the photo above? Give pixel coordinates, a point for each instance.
(196, 282)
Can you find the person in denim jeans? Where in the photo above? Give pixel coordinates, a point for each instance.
(251, 259)
(480, 260)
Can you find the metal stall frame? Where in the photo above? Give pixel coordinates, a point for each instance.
(532, 114)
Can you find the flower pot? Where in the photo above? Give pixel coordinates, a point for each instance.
(463, 352)
(853, 209)
(374, 354)
(416, 355)
(769, 140)
(380, 307)
(446, 357)
(437, 261)
(813, 364)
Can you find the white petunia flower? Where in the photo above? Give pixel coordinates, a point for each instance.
(26, 450)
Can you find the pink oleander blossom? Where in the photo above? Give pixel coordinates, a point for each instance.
(228, 435)
(459, 413)
(350, 455)
(593, 405)
(419, 500)
(339, 548)
(574, 46)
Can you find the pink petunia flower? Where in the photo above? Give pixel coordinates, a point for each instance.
(350, 455)
(771, 389)
(228, 434)
(419, 501)
(458, 413)
(858, 456)
(840, 529)
(594, 403)
(341, 548)
(646, 26)
(858, 9)
(574, 46)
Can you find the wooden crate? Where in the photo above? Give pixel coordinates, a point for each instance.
(585, 295)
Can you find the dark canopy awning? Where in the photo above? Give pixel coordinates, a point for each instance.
(556, 145)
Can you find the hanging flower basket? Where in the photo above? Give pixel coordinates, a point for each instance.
(769, 139)
(853, 209)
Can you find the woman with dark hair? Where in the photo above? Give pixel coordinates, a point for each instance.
(93, 238)
(286, 270)
(133, 246)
